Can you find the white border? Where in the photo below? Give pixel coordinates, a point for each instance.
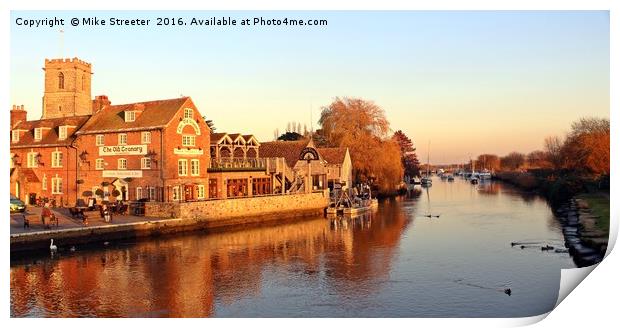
(592, 303)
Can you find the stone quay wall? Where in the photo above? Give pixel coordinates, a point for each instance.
(233, 211)
(212, 215)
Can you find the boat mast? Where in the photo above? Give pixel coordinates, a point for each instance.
(428, 160)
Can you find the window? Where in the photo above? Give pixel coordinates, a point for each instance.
(99, 164)
(56, 185)
(188, 113)
(12, 160)
(15, 136)
(189, 140)
(38, 134)
(130, 116)
(151, 193)
(145, 163)
(122, 164)
(122, 139)
(139, 193)
(62, 132)
(146, 137)
(56, 159)
(82, 82)
(33, 160)
(44, 182)
(182, 167)
(176, 193)
(195, 168)
(61, 81)
(201, 192)
(99, 140)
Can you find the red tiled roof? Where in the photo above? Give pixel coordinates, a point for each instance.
(215, 137)
(334, 155)
(155, 114)
(49, 136)
(290, 150)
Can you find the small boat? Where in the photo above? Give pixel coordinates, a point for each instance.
(426, 181)
(345, 205)
(450, 177)
(474, 180)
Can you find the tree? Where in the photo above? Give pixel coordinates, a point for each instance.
(538, 159)
(587, 146)
(512, 161)
(411, 164)
(290, 136)
(361, 125)
(554, 151)
(489, 162)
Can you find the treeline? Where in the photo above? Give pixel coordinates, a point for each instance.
(585, 150)
(578, 162)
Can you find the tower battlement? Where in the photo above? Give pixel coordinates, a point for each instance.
(73, 60)
(67, 89)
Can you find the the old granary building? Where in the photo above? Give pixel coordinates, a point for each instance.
(159, 150)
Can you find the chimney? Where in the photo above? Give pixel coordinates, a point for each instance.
(99, 102)
(18, 114)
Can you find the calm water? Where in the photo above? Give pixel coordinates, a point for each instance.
(396, 263)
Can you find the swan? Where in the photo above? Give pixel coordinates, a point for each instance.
(53, 247)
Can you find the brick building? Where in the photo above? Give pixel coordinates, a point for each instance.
(159, 150)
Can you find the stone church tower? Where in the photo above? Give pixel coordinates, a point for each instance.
(67, 88)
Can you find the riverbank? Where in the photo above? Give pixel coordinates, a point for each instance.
(582, 209)
(210, 216)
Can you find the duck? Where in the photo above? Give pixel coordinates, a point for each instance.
(53, 247)
(72, 248)
(507, 291)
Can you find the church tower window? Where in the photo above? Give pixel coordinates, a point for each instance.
(61, 81)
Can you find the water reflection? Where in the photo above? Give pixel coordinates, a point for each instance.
(184, 276)
(396, 262)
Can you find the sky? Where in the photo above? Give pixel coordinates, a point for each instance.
(466, 82)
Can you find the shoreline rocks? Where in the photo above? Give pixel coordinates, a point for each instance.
(584, 241)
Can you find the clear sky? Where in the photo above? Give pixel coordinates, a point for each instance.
(470, 82)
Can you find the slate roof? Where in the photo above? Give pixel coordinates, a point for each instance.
(155, 114)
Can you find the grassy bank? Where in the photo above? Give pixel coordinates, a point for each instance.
(599, 205)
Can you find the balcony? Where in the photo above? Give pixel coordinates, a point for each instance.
(238, 164)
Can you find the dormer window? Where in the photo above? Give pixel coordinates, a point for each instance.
(130, 116)
(62, 132)
(188, 113)
(15, 136)
(38, 134)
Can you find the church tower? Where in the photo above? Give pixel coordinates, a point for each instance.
(67, 88)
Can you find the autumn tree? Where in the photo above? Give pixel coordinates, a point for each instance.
(361, 125)
(488, 161)
(587, 146)
(538, 159)
(512, 161)
(409, 159)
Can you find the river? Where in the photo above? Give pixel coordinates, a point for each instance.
(394, 263)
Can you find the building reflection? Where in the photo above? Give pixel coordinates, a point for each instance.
(188, 276)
